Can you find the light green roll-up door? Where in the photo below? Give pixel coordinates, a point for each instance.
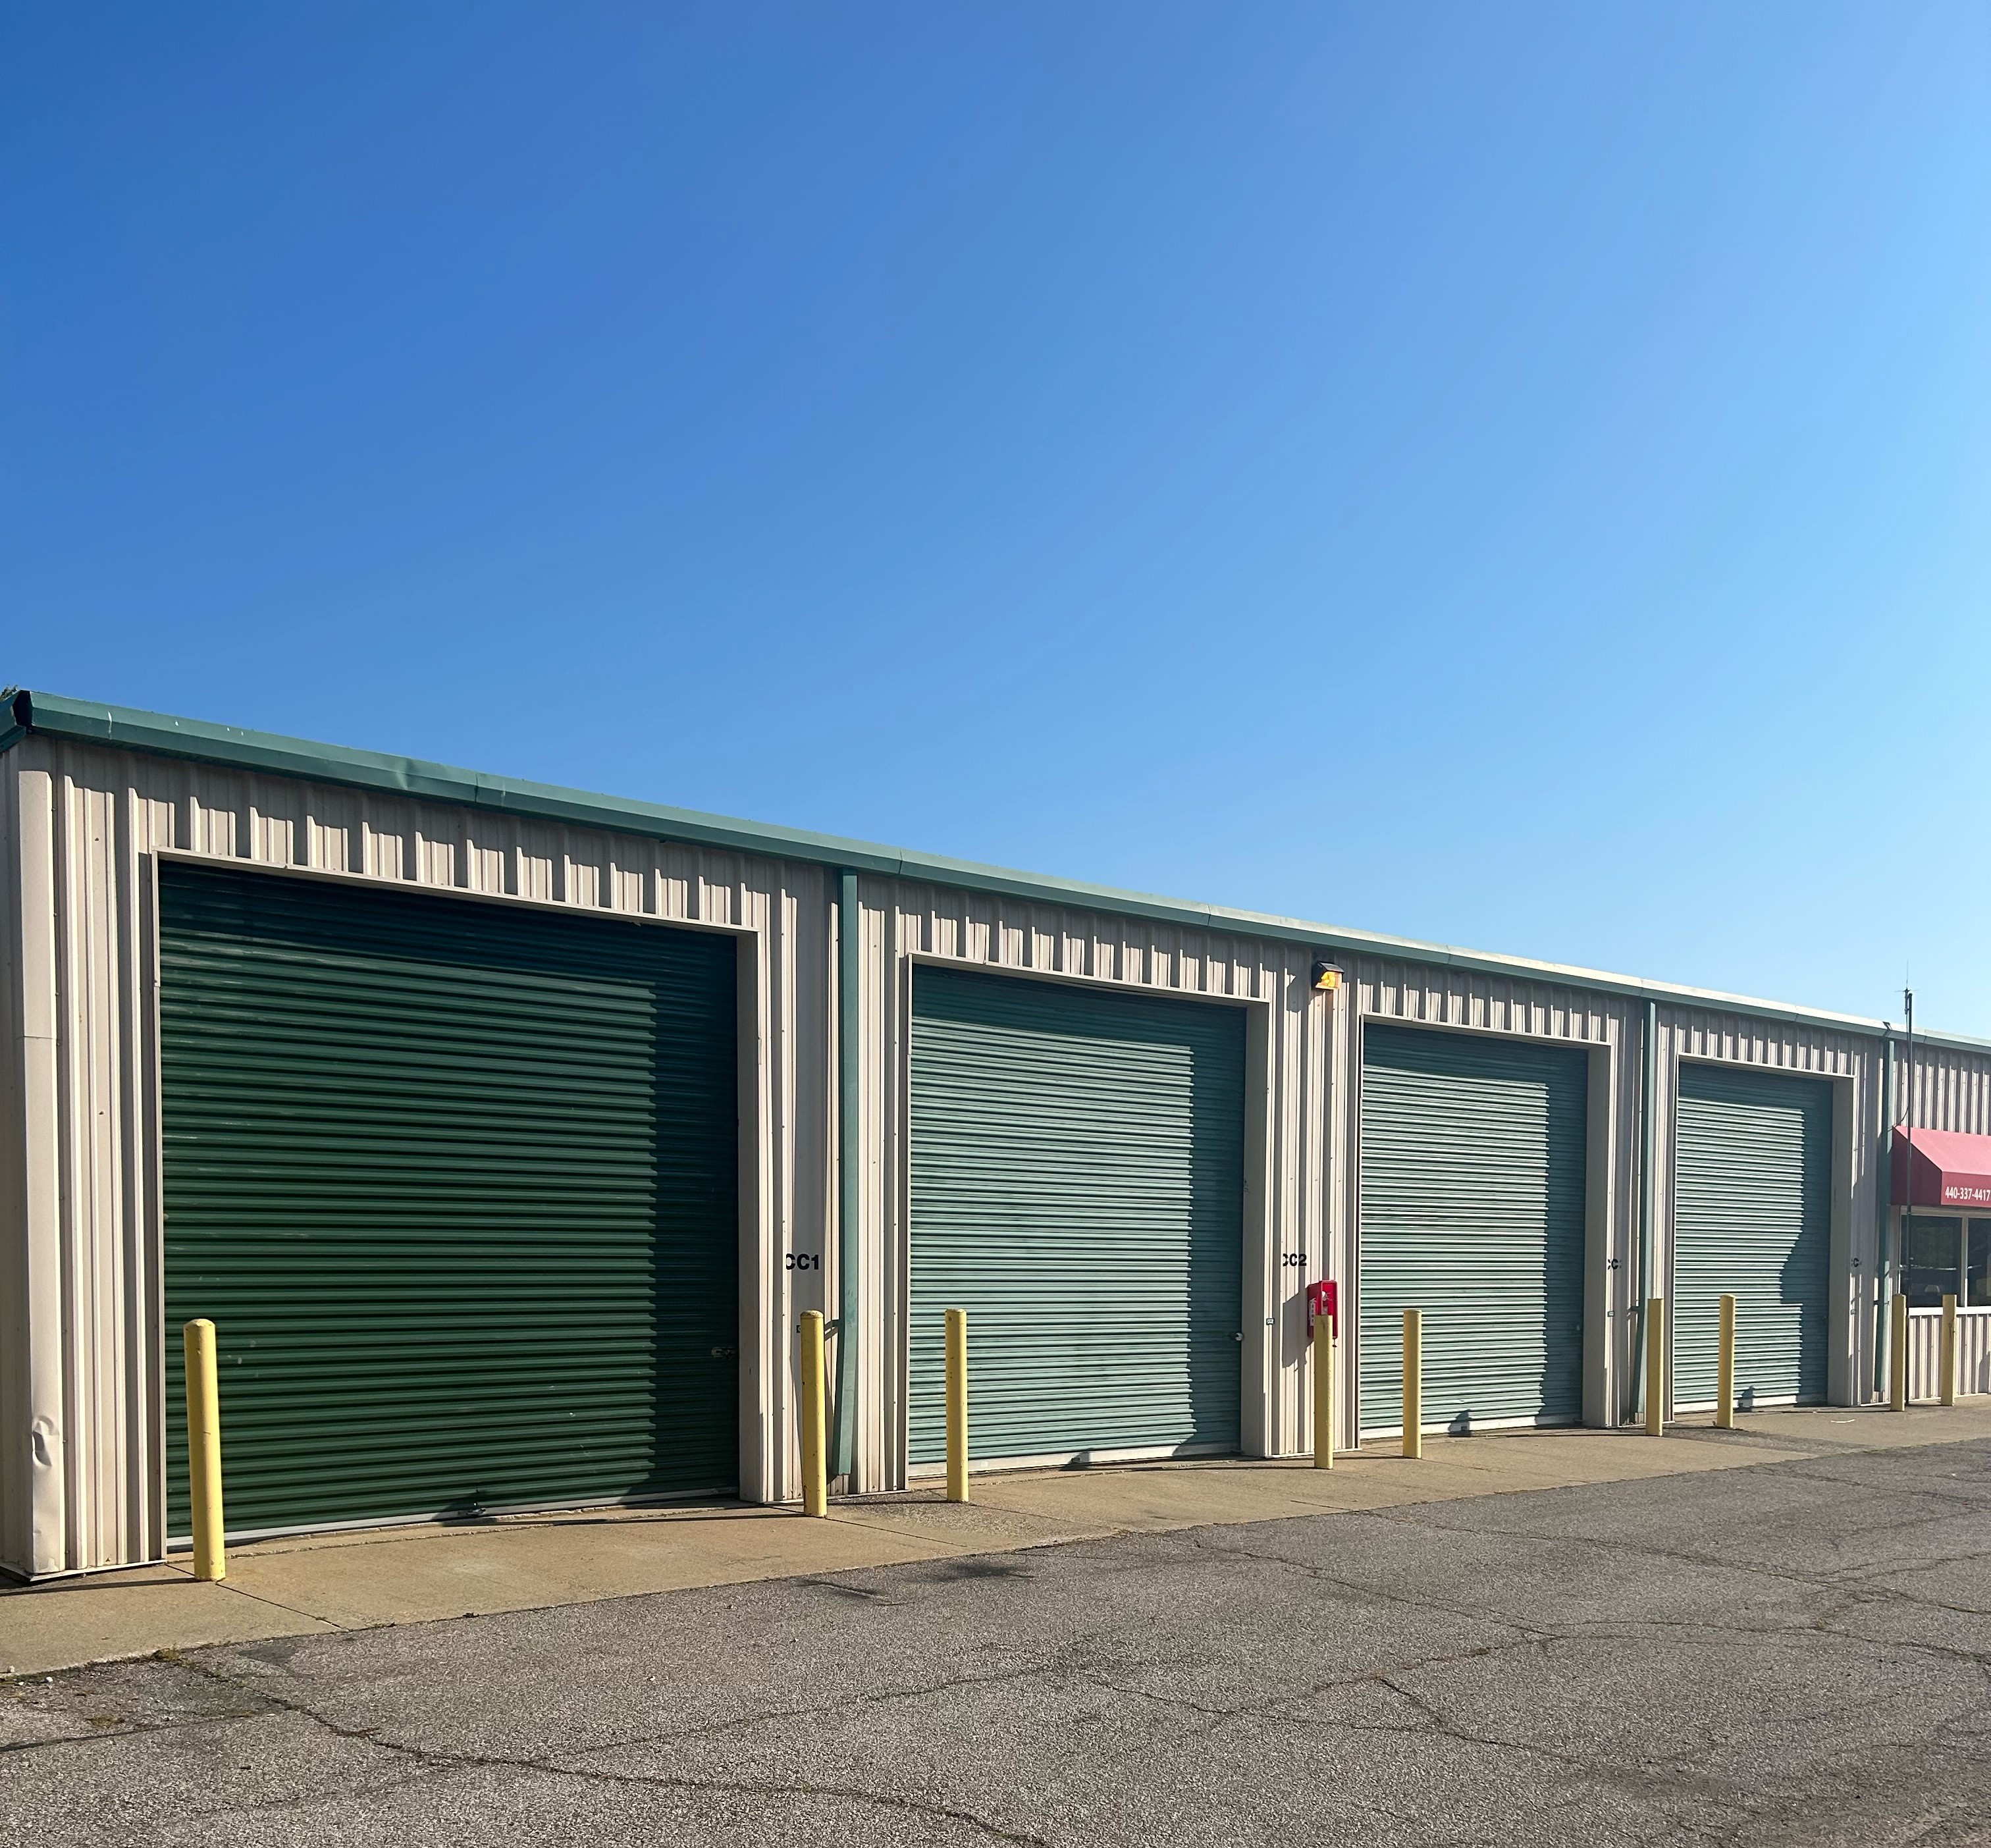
(1472, 1210)
(1077, 1186)
(1752, 1216)
(457, 1183)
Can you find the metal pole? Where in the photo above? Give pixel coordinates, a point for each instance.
(957, 1405)
(815, 1484)
(1414, 1383)
(1725, 1387)
(850, 1163)
(203, 1407)
(1884, 1215)
(1656, 1367)
(1898, 1370)
(1949, 1350)
(1908, 1123)
(1908, 1192)
(1325, 1347)
(1648, 1085)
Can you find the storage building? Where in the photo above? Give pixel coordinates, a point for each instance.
(504, 1130)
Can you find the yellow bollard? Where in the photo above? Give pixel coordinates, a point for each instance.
(1949, 1350)
(1897, 1355)
(1414, 1383)
(1724, 1368)
(815, 1484)
(203, 1398)
(1656, 1367)
(1325, 1352)
(957, 1405)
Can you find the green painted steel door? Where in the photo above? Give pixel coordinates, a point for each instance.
(1078, 1187)
(1752, 1216)
(1472, 1209)
(457, 1183)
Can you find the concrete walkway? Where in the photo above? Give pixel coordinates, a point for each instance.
(358, 1581)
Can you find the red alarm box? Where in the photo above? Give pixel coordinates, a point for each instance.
(1324, 1298)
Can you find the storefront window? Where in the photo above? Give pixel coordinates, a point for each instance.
(1980, 1265)
(1933, 1262)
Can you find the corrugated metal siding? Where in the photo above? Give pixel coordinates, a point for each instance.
(1287, 1198)
(82, 1241)
(1385, 991)
(458, 1186)
(1952, 1089)
(91, 1222)
(1473, 1199)
(1973, 1352)
(17, 1494)
(1753, 1179)
(1078, 1187)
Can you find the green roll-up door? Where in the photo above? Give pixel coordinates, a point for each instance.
(1078, 1187)
(457, 1183)
(1752, 1216)
(1472, 1210)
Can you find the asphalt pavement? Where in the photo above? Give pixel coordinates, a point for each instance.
(1796, 1653)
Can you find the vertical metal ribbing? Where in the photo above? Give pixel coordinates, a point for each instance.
(1883, 1213)
(1648, 1072)
(850, 1170)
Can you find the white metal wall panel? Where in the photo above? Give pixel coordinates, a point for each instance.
(36, 1369)
(78, 1244)
(1973, 1352)
(1952, 1089)
(17, 1394)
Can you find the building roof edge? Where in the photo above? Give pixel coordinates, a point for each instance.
(128, 728)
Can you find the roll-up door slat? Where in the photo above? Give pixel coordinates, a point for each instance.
(1752, 1216)
(458, 1184)
(1473, 1208)
(1077, 1186)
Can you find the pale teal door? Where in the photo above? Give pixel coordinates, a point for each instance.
(1078, 1187)
(1472, 1155)
(1752, 1216)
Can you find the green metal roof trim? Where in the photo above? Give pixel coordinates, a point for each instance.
(128, 729)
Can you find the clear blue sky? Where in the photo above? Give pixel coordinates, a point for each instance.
(1516, 475)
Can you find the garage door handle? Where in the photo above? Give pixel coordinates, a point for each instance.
(720, 1353)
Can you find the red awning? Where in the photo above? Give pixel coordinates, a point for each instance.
(1951, 1170)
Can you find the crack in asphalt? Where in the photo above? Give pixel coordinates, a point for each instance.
(445, 1759)
(1672, 1555)
(1849, 1595)
(1209, 1542)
